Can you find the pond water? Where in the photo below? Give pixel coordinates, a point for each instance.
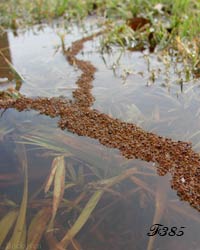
(126, 90)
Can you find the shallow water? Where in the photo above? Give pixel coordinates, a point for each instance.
(129, 93)
(126, 212)
(37, 55)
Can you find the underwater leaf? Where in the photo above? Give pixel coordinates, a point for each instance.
(114, 180)
(133, 113)
(75, 203)
(23, 239)
(22, 158)
(45, 141)
(160, 204)
(8, 203)
(76, 244)
(52, 174)
(52, 241)
(71, 171)
(59, 184)
(37, 228)
(6, 223)
(18, 233)
(81, 175)
(69, 185)
(82, 219)
(4, 132)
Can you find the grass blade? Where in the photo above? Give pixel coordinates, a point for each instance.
(82, 219)
(51, 175)
(6, 223)
(160, 204)
(37, 228)
(18, 233)
(59, 184)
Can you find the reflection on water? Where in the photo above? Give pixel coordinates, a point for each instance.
(124, 89)
(4, 47)
(7, 74)
(137, 197)
(37, 56)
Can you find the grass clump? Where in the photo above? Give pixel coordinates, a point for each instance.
(183, 15)
(172, 24)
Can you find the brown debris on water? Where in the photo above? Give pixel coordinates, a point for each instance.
(175, 157)
(137, 23)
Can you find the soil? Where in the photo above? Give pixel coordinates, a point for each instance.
(77, 116)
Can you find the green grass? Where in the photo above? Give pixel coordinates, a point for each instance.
(181, 17)
(181, 13)
(25, 12)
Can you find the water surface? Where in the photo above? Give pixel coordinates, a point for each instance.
(127, 210)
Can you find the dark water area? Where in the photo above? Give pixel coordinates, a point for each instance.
(126, 90)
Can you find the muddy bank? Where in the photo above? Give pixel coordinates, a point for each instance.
(178, 158)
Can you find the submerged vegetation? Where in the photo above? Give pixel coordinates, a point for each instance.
(83, 190)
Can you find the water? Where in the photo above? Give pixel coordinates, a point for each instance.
(160, 106)
(132, 204)
(38, 57)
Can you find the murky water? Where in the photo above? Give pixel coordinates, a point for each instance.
(129, 207)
